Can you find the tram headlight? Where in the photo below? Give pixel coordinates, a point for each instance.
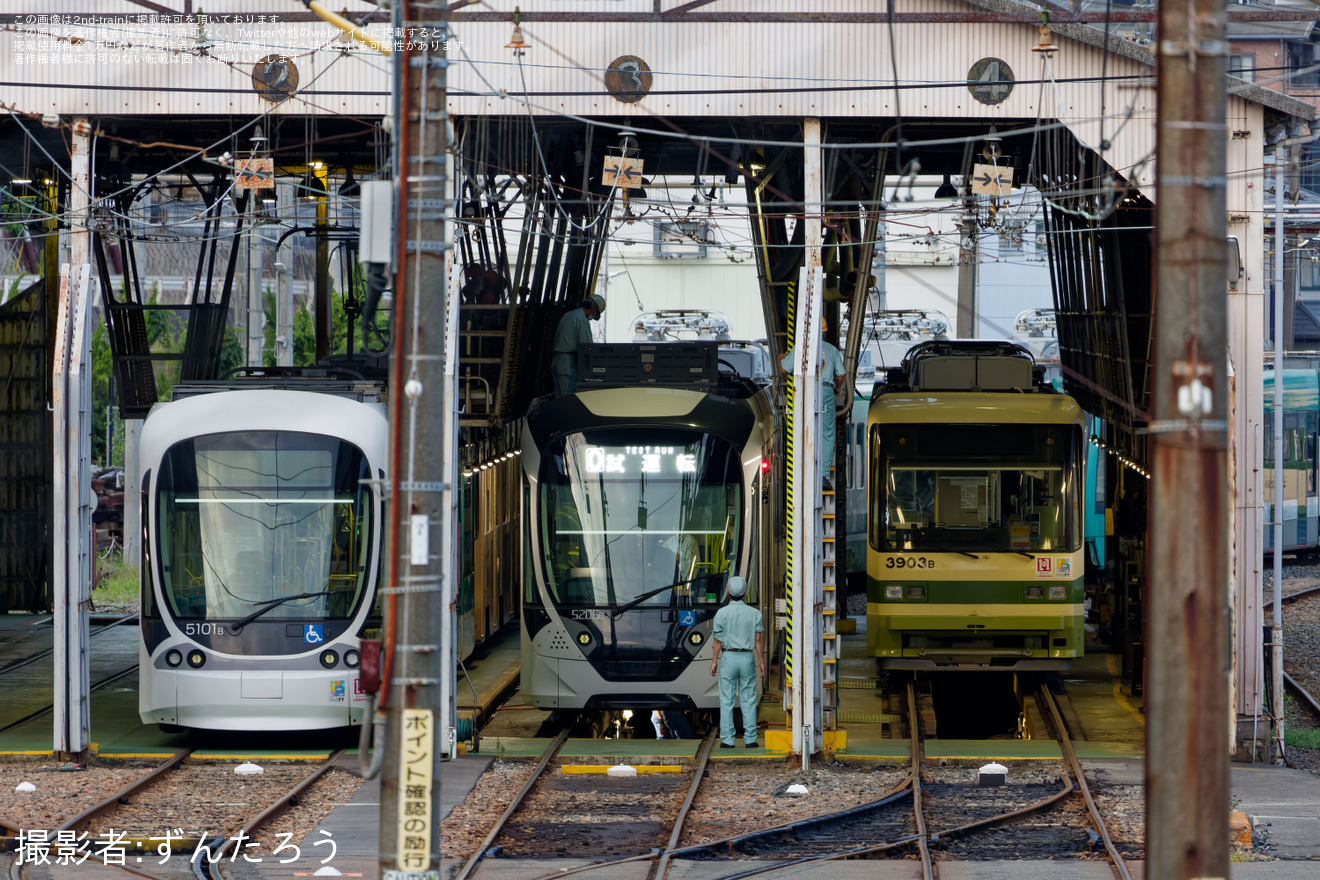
(696, 638)
(893, 591)
(196, 659)
(1035, 592)
(584, 638)
(329, 659)
(916, 592)
(352, 658)
(173, 657)
(1058, 591)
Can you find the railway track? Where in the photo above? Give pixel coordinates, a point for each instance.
(43, 654)
(110, 679)
(206, 861)
(643, 804)
(116, 672)
(917, 817)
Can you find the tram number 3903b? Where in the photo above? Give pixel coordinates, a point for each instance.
(909, 562)
(203, 629)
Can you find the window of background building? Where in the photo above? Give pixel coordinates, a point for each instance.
(1300, 57)
(1243, 66)
(1311, 168)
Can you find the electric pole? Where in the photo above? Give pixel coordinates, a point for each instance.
(1187, 706)
(412, 650)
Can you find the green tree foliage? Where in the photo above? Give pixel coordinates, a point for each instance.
(166, 332)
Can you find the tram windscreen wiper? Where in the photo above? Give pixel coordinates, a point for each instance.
(274, 603)
(936, 545)
(656, 592)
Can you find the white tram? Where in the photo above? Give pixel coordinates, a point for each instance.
(261, 551)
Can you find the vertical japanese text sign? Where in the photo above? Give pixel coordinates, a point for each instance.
(415, 790)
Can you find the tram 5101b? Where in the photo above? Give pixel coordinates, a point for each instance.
(261, 550)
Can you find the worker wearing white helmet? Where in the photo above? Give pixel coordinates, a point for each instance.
(573, 332)
(737, 635)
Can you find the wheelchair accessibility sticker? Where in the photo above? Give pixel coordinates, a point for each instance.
(687, 618)
(314, 634)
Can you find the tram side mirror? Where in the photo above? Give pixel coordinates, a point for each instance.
(1234, 257)
(369, 672)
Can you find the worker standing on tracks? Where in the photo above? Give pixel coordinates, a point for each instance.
(832, 375)
(738, 634)
(573, 332)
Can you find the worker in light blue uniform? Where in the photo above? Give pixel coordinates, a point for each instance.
(832, 374)
(738, 636)
(574, 331)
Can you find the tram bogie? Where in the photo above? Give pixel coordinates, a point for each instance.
(261, 550)
(974, 527)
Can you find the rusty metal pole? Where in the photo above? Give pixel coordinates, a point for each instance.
(421, 474)
(1187, 693)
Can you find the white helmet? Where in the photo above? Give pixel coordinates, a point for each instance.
(599, 302)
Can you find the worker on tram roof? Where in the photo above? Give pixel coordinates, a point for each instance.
(573, 332)
(738, 634)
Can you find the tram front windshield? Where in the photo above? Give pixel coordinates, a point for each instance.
(640, 517)
(976, 488)
(249, 521)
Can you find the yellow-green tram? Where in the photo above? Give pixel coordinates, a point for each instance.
(974, 521)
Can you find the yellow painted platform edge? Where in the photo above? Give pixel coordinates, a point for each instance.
(249, 757)
(1055, 757)
(782, 740)
(120, 755)
(601, 768)
(47, 752)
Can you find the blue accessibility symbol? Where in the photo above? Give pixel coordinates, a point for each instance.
(687, 618)
(314, 634)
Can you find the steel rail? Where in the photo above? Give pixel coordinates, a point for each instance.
(37, 714)
(1065, 743)
(1302, 693)
(1293, 597)
(109, 804)
(105, 806)
(35, 657)
(550, 751)
(1044, 803)
(288, 799)
(703, 756)
(914, 747)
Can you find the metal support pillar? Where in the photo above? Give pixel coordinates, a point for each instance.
(419, 399)
(256, 299)
(1187, 684)
(1246, 328)
(132, 494)
(449, 536)
(284, 287)
(968, 255)
(1292, 244)
(72, 439)
(325, 327)
(804, 431)
(1276, 630)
